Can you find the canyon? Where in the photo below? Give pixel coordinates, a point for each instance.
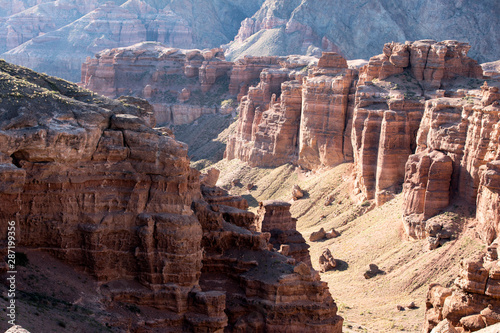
(56, 36)
(419, 119)
(397, 155)
(91, 182)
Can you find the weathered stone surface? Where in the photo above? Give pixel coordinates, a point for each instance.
(88, 181)
(59, 35)
(490, 329)
(274, 217)
(317, 235)
(465, 130)
(210, 178)
(161, 75)
(473, 303)
(326, 261)
(372, 271)
(488, 199)
(325, 95)
(304, 121)
(426, 190)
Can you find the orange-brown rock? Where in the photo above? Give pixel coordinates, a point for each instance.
(247, 70)
(463, 132)
(168, 78)
(383, 136)
(430, 62)
(325, 95)
(389, 106)
(266, 134)
(89, 181)
(326, 261)
(304, 121)
(426, 189)
(488, 201)
(472, 304)
(274, 217)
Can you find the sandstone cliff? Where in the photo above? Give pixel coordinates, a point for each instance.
(292, 116)
(182, 85)
(389, 106)
(473, 302)
(57, 36)
(88, 180)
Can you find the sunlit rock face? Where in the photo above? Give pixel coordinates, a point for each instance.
(89, 180)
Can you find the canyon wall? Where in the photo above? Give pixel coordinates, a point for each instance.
(297, 113)
(89, 180)
(56, 36)
(177, 82)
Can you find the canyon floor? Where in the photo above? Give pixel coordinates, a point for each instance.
(368, 235)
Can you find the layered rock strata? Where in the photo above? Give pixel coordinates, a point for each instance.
(304, 121)
(174, 81)
(89, 180)
(274, 217)
(390, 104)
(457, 158)
(472, 304)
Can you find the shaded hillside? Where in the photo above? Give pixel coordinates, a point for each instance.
(359, 29)
(62, 34)
(366, 237)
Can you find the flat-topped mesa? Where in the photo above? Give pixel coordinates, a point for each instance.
(457, 157)
(172, 80)
(274, 217)
(307, 123)
(430, 62)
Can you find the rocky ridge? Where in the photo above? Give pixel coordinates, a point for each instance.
(57, 36)
(359, 29)
(90, 181)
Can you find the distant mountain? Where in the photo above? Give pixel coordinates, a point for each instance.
(359, 28)
(57, 36)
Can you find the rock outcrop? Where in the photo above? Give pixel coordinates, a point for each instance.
(457, 158)
(56, 37)
(174, 81)
(274, 217)
(88, 180)
(290, 117)
(390, 104)
(472, 304)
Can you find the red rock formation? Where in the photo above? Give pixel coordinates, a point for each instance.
(398, 80)
(307, 125)
(430, 62)
(472, 303)
(324, 112)
(169, 78)
(247, 70)
(274, 217)
(464, 131)
(89, 181)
